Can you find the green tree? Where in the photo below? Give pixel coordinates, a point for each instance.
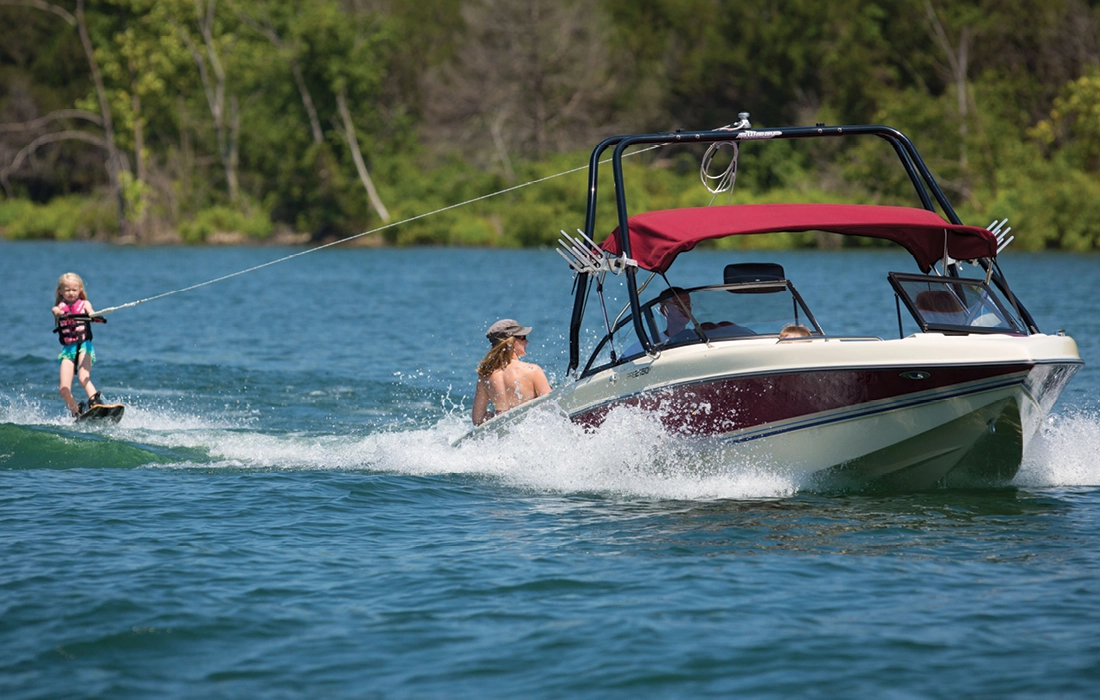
(335, 62)
(103, 118)
(1073, 126)
(534, 77)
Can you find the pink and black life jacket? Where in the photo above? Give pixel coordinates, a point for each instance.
(73, 330)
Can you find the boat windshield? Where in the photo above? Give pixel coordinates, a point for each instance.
(955, 304)
(717, 313)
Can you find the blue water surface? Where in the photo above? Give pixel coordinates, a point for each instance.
(281, 513)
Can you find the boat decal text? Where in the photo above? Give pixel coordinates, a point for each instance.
(755, 135)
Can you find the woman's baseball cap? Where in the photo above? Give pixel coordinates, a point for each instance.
(505, 328)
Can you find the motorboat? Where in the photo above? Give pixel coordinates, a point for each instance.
(744, 362)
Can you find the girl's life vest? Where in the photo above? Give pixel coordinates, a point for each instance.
(73, 330)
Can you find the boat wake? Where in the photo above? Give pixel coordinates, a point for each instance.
(632, 456)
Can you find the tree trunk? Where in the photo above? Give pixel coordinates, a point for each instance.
(496, 129)
(139, 138)
(296, 71)
(214, 87)
(139, 128)
(108, 122)
(537, 96)
(961, 89)
(957, 60)
(234, 156)
(307, 101)
(357, 156)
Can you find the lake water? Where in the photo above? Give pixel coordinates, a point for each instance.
(281, 514)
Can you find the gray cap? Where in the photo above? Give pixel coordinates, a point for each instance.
(505, 328)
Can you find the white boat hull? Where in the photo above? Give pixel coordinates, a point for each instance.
(913, 412)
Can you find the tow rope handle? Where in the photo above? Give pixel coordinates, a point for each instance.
(77, 317)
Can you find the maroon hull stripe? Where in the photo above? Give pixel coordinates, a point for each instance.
(728, 405)
(873, 408)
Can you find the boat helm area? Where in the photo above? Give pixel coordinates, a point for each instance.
(754, 300)
(759, 306)
(757, 301)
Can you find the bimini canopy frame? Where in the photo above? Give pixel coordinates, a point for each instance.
(927, 189)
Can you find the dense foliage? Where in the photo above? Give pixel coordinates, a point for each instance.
(152, 120)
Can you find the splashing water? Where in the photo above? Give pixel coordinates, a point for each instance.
(632, 455)
(1063, 453)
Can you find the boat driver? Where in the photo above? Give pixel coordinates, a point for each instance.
(675, 305)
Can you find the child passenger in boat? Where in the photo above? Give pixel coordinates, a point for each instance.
(794, 330)
(502, 378)
(77, 354)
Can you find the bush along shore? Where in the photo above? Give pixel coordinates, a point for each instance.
(277, 121)
(1054, 211)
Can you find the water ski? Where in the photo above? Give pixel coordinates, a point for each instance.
(99, 412)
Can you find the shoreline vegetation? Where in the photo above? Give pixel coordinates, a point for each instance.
(274, 122)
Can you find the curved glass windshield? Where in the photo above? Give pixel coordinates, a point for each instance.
(708, 314)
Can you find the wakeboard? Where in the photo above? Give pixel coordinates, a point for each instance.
(99, 413)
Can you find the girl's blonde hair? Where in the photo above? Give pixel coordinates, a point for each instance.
(497, 358)
(62, 280)
(794, 330)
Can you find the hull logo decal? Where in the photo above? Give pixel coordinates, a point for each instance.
(915, 374)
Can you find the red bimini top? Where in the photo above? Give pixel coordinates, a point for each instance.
(657, 237)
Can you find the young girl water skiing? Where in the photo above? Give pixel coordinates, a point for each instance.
(77, 354)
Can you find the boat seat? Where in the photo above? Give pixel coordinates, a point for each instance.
(941, 306)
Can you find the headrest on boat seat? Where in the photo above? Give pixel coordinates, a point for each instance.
(753, 272)
(939, 301)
